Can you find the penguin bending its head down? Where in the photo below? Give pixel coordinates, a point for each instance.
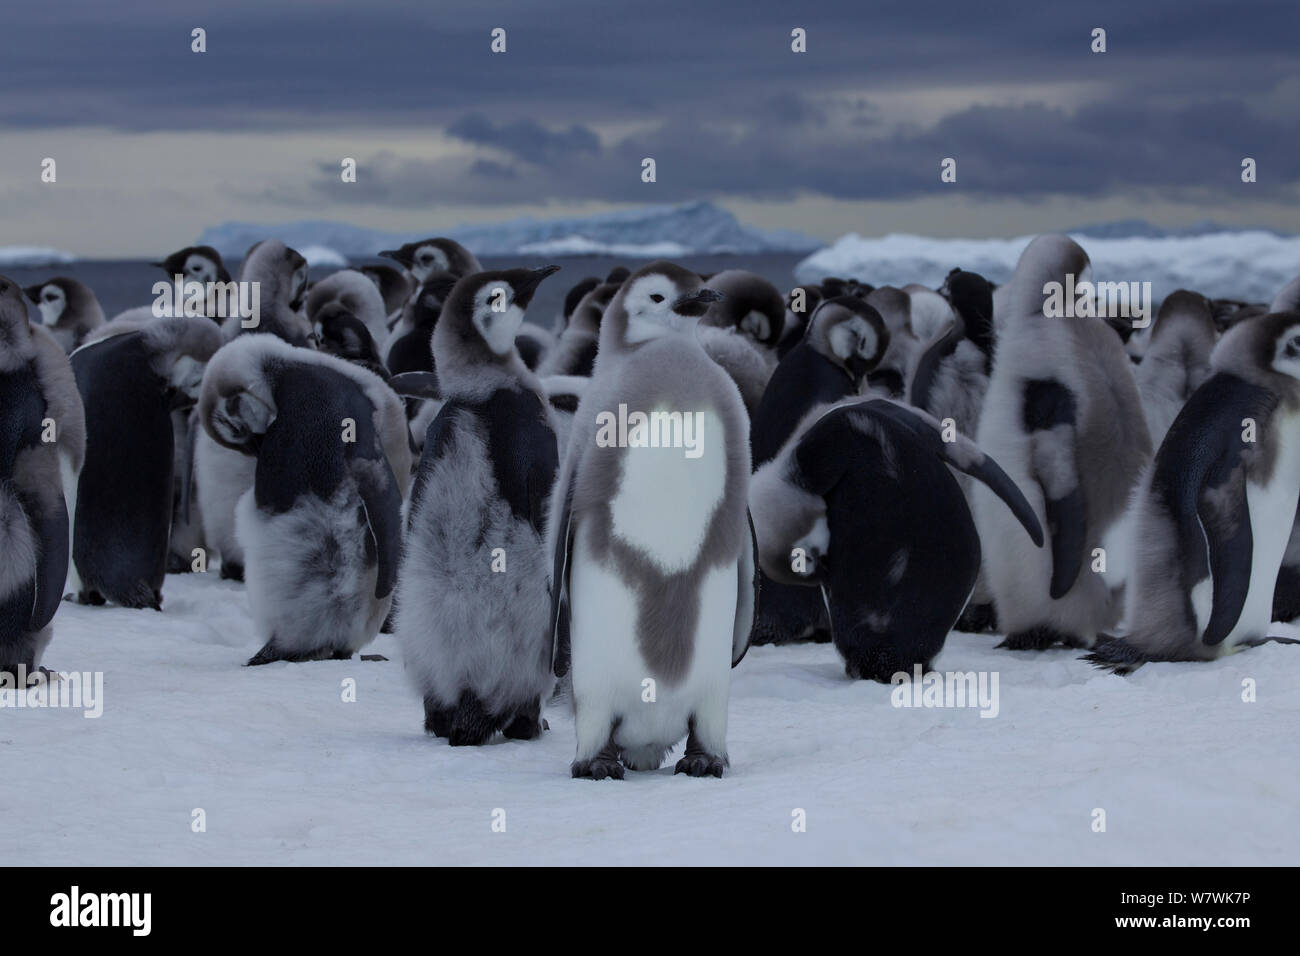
(1213, 512)
(1063, 417)
(654, 567)
(472, 612)
(340, 333)
(751, 305)
(129, 385)
(427, 256)
(321, 526)
(861, 504)
(281, 275)
(1176, 360)
(354, 292)
(38, 476)
(68, 309)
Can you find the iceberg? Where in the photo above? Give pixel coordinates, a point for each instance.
(33, 256)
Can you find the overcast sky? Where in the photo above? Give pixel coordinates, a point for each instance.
(154, 143)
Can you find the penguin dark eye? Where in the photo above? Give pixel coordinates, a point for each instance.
(656, 297)
(49, 297)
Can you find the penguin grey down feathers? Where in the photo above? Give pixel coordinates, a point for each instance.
(1176, 360)
(356, 293)
(281, 276)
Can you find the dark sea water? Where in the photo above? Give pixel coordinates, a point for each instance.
(128, 283)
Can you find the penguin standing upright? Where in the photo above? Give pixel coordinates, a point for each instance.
(472, 613)
(1176, 360)
(752, 306)
(129, 384)
(200, 264)
(653, 581)
(427, 256)
(1211, 517)
(407, 348)
(1063, 417)
(574, 353)
(68, 309)
(321, 526)
(42, 444)
(860, 503)
(280, 275)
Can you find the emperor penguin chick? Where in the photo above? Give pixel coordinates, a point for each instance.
(1063, 418)
(473, 599)
(68, 309)
(1213, 512)
(654, 572)
(130, 384)
(42, 445)
(321, 526)
(1177, 359)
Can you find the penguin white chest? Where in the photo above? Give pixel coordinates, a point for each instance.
(667, 495)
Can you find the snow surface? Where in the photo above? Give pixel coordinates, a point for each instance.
(1247, 265)
(686, 228)
(33, 256)
(288, 773)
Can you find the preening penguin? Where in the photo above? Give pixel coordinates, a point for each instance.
(129, 385)
(1213, 513)
(427, 256)
(1177, 359)
(42, 444)
(472, 613)
(340, 333)
(321, 526)
(800, 304)
(844, 341)
(281, 277)
(354, 292)
(751, 305)
(1063, 417)
(861, 504)
(395, 285)
(68, 309)
(653, 576)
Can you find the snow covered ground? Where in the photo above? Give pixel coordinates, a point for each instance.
(287, 772)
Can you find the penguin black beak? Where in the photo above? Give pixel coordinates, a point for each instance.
(397, 256)
(525, 287)
(696, 303)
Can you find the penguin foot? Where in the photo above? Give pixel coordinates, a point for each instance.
(526, 724)
(269, 654)
(821, 635)
(93, 598)
(701, 765)
(232, 571)
(372, 657)
(977, 619)
(341, 655)
(176, 564)
(1039, 639)
(597, 768)
(387, 627)
(472, 726)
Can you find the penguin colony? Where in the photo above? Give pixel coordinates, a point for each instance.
(610, 512)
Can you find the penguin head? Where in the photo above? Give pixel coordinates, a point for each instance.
(576, 295)
(281, 271)
(197, 264)
(589, 311)
(425, 308)
(14, 329)
(850, 333)
(1048, 258)
(180, 347)
(236, 400)
(618, 275)
(51, 299)
(1284, 330)
(750, 304)
(971, 297)
(340, 332)
(482, 315)
(427, 256)
(657, 300)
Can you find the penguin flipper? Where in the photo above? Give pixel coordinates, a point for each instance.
(1050, 417)
(560, 584)
(962, 454)
(187, 471)
(927, 367)
(416, 385)
(1225, 519)
(383, 508)
(51, 564)
(747, 596)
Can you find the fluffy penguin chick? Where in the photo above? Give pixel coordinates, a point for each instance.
(68, 309)
(356, 293)
(752, 306)
(654, 567)
(281, 276)
(130, 384)
(321, 526)
(1213, 509)
(1177, 360)
(472, 596)
(37, 480)
(861, 504)
(427, 256)
(1063, 417)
